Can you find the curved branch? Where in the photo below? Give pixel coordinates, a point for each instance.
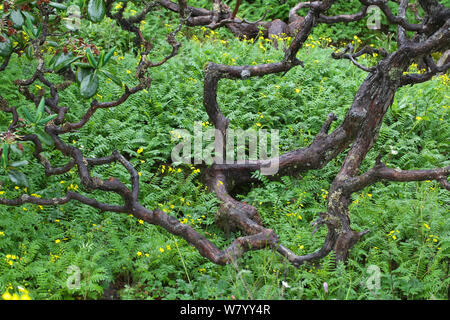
(344, 17)
(95, 105)
(5, 63)
(380, 172)
(59, 201)
(348, 54)
(401, 32)
(422, 77)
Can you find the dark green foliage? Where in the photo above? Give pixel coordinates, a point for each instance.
(409, 240)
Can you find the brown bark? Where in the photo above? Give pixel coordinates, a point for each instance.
(357, 132)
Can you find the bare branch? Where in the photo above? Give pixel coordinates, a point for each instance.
(348, 53)
(344, 17)
(381, 172)
(401, 32)
(433, 69)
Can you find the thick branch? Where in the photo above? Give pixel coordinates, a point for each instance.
(380, 172)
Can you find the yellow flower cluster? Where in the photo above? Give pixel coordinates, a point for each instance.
(445, 79)
(393, 234)
(432, 238)
(414, 68)
(192, 221)
(140, 254)
(295, 215)
(282, 37)
(54, 257)
(73, 187)
(356, 40)
(361, 196)
(23, 294)
(11, 259)
(168, 248)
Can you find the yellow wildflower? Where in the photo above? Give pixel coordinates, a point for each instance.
(6, 296)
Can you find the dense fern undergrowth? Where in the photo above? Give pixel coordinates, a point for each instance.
(121, 257)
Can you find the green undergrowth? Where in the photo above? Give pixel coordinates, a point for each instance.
(409, 241)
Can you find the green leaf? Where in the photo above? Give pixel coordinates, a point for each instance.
(38, 30)
(109, 55)
(96, 10)
(29, 28)
(29, 52)
(101, 59)
(22, 2)
(64, 60)
(17, 18)
(18, 178)
(52, 43)
(82, 65)
(28, 15)
(18, 163)
(91, 59)
(27, 114)
(45, 120)
(43, 136)
(89, 86)
(29, 32)
(112, 77)
(5, 151)
(40, 110)
(57, 5)
(5, 48)
(83, 72)
(15, 149)
(66, 63)
(52, 61)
